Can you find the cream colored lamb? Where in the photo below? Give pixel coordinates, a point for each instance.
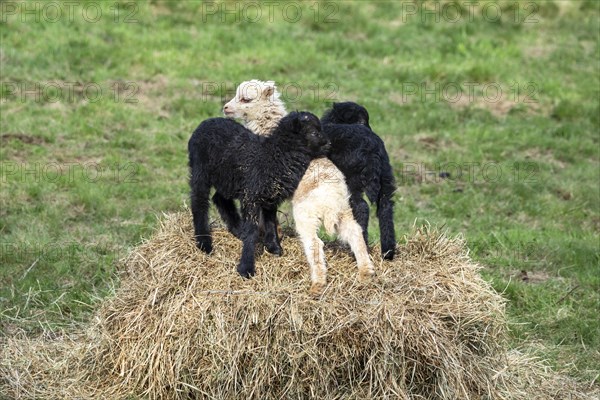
(322, 195)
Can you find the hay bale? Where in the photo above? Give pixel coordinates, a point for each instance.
(185, 325)
(186, 322)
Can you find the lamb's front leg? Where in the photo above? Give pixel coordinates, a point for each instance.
(249, 237)
(272, 242)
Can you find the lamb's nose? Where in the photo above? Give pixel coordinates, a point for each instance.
(225, 108)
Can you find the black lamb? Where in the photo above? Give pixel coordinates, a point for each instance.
(360, 154)
(260, 172)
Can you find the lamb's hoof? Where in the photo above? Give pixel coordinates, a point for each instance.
(246, 272)
(316, 289)
(205, 245)
(389, 254)
(274, 248)
(366, 275)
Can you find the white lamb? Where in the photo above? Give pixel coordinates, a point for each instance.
(322, 195)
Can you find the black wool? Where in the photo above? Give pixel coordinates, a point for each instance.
(261, 172)
(361, 155)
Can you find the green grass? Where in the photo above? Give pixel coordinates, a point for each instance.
(83, 179)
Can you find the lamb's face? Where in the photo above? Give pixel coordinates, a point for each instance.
(250, 101)
(310, 126)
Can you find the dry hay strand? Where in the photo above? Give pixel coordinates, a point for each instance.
(185, 325)
(51, 366)
(527, 376)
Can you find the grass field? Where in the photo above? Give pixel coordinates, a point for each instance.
(98, 100)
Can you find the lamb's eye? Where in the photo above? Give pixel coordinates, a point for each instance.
(244, 100)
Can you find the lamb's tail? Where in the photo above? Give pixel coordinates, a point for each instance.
(331, 222)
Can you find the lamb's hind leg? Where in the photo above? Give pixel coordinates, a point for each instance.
(351, 233)
(246, 266)
(199, 205)
(229, 213)
(313, 249)
(385, 214)
(360, 210)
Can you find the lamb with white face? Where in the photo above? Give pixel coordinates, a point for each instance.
(258, 104)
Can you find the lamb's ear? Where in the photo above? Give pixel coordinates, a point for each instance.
(296, 122)
(268, 89)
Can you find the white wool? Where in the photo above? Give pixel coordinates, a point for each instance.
(322, 198)
(322, 195)
(258, 104)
